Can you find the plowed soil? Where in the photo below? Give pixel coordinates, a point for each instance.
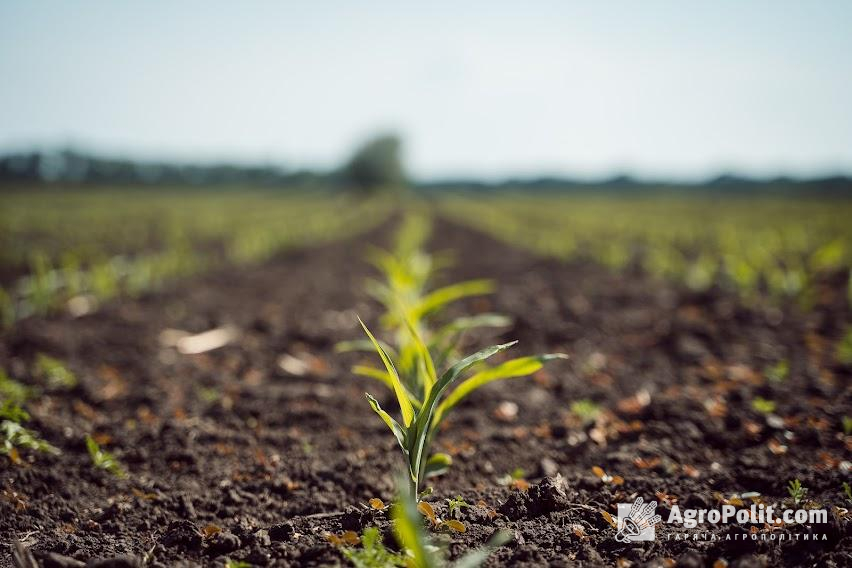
(256, 451)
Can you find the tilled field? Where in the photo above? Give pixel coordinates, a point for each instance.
(260, 449)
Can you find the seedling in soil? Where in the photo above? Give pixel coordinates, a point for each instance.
(847, 425)
(516, 479)
(763, 405)
(12, 414)
(57, 375)
(778, 372)
(102, 459)
(844, 348)
(422, 416)
(236, 564)
(847, 490)
(437, 523)
(373, 553)
(797, 491)
(408, 527)
(456, 505)
(586, 410)
(14, 436)
(12, 390)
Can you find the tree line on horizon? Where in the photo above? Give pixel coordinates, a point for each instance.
(375, 165)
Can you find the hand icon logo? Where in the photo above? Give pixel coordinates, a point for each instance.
(638, 522)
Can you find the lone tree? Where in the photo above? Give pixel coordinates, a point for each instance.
(376, 165)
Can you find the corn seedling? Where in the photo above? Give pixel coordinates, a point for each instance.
(409, 302)
(411, 361)
(421, 415)
(797, 491)
(847, 425)
(102, 459)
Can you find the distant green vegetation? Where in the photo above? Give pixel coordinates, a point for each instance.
(760, 247)
(71, 249)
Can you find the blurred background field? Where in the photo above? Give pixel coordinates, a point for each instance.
(710, 147)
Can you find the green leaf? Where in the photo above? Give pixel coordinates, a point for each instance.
(401, 396)
(465, 323)
(373, 373)
(442, 296)
(429, 373)
(448, 335)
(363, 345)
(520, 367)
(397, 430)
(408, 528)
(424, 417)
(437, 464)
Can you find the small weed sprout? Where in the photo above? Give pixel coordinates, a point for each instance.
(456, 505)
(13, 436)
(844, 348)
(54, 372)
(763, 405)
(12, 414)
(847, 490)
(236, 564)
(373, 553)
(778, 372)
(847, 425)
(797, 491)
(102, 459)
(586, 410)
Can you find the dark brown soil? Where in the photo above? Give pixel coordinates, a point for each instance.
(228, 439)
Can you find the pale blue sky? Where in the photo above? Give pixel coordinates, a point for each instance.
(493, 88)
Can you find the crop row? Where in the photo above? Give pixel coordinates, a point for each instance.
(760, 247)
(73, 251)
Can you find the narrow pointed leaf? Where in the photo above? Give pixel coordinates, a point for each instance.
(520, 367)
(424, 417)
(437, 464)
(363, 345)
(401, 396)
(442, 296)
(373, 373)
(397, 430)
(426, 359)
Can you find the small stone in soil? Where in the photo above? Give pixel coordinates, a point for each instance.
(182, 534)
(282, 532)
(223, 543)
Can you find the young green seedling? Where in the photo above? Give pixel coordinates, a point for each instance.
(13, 435)
(763, 405)
(102, 459)
(797, 491)
(421, 416)
(456, 505)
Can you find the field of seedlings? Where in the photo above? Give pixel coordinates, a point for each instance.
(228, 378)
